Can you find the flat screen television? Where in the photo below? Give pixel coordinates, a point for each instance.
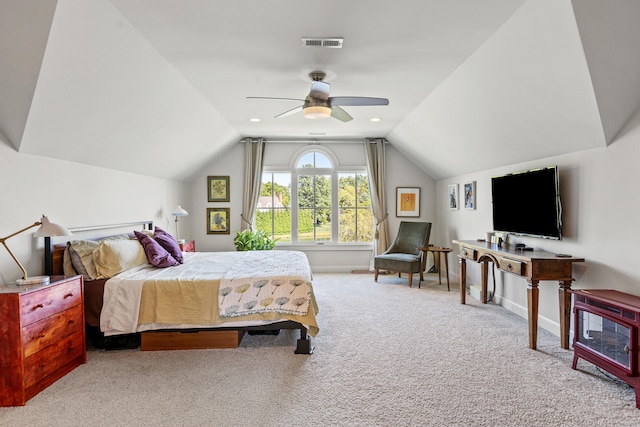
(528, 203)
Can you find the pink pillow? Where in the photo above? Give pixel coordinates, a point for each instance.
(169, 243)
(156, 254)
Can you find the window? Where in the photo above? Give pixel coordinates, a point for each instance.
(321, 194)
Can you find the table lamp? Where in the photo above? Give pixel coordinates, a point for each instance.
(47, 229)
(177, 212)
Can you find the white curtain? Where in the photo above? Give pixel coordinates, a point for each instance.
(253, 163)
(374, 149)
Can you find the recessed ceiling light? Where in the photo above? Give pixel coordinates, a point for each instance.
(254, 119)
(375, 119)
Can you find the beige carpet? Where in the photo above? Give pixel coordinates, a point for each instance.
(386, 355)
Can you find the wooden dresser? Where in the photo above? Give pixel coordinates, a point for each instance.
(42, 336)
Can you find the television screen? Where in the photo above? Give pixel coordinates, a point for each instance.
(528, 203)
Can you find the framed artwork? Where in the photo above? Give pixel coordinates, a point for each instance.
(453, 196)
(218, 221)
(408, 201)
(218, 188)
(470, 195)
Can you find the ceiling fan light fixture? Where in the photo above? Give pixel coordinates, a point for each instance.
(316, 112)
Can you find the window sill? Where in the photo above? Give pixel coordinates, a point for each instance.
(325, 247)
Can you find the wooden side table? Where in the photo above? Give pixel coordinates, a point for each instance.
(436, 250)
(189, 246)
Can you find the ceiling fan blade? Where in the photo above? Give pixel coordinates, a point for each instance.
(340, 114)
(320, 90)
(289, 112)
(269, 97)
(357, 101)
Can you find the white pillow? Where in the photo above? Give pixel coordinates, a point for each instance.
(115, 256)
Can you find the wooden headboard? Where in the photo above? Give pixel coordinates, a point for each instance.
(54, 254)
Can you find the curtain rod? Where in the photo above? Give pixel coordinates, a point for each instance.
(318, 141)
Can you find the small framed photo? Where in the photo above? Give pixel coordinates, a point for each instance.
(218, 188)
(218, 221)
(408, 201)
(470, 195)
(453, 196)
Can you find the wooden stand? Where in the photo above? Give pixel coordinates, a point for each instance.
(606, 333)
(436, 250)
(532, 265)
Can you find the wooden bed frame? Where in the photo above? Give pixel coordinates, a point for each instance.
(178, 339)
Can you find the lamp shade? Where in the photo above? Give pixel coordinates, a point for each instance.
(178, 211)
(317, 112)
(49, 229)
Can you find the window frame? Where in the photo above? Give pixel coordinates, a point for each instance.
(334, 172)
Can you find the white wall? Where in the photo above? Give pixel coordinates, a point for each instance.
(72, 195)
(598, 191)
(399, 173)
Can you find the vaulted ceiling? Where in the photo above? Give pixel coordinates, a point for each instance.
(160, 87)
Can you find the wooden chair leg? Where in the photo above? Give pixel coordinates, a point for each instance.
(375, 275)
(410, 280)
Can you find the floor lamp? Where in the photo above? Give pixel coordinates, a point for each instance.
(47, 229)
(178, 212)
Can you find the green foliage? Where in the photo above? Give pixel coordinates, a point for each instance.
(314, 208)
(249, 240)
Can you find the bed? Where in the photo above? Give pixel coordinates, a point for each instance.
(207, 300)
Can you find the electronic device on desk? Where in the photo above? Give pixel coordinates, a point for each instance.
(528, 203)
(522, 247)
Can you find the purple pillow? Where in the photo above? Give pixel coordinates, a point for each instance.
(169, 243)
(156, 254)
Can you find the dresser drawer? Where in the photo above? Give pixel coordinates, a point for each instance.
(510, 265)
(39, 335)
(50, 300)
(48, 360)
(468, 253)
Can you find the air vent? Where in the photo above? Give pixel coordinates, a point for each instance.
(333, 42)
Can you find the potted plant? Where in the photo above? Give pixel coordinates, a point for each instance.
(249, 240)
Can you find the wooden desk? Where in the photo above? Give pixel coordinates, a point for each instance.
(436, 250)
(532, 265)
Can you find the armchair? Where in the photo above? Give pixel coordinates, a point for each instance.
(403, 255)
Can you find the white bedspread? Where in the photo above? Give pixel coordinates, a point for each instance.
(123, 293)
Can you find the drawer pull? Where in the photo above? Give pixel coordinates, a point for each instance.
(627, 349)
(42, 365)
(509, 267)
(70, 294)
(70, 322)
(35, 307)
(40, 335)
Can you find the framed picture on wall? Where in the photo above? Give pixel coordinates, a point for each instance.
(470, 195)
(408, 201)
(453, 196)
(218, 188)
(218, 221)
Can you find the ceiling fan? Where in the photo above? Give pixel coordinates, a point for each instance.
(319, 105)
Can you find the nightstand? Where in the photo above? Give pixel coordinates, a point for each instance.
(189, 246)
(42, 336)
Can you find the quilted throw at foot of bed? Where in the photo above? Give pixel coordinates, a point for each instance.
(266, 282)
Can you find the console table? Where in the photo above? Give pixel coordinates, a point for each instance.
(534, 266)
